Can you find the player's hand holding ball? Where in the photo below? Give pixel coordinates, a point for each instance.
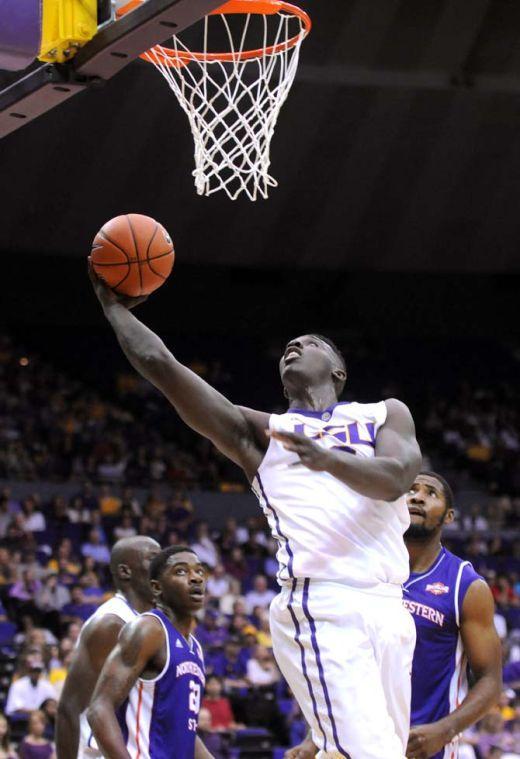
(131, 256)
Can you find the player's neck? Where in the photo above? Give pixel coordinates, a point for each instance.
(423, 553)
(313, 398)
(182, 623)
(136, 601)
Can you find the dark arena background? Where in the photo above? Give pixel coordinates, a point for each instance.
(394, 230)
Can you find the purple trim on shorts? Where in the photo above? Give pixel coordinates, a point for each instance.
(278, 530)
(304, 666)
(314, 640)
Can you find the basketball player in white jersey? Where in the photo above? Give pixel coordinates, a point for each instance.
(129, 564)
(330, 477)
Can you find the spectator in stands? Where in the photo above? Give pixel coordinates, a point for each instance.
(204, 547)
(503, 592)
(35, 745)
(230, 666)
(7, 568)
(79, 607)
(50, 599)
(263, 635)
(260, 595)
(30, 691)
(492, 734)
(95, 548)
(50, 710)
(109, 503)
(218, 583)
(214, 742)
(236, 565)
(92, 591)
(59, 666)
(5, 514)
(209, 632)
(23, 592)
(32, 518)
(64, 559)
(218, 705)
(30, 562)
(262, 669)
(7, 750)
(240, 626)
(232, 535)
(227, 601)
(125, 529)
(16, 535)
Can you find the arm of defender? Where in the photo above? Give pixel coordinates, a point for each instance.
(98, 640)
(139, 643)
(198, 404)
(482, 647)
(386, 476)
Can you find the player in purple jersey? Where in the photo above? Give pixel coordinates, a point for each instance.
(147, 699)
(453, 610)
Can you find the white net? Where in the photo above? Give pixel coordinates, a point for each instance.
(233, 104)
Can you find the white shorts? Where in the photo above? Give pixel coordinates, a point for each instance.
(347, 656)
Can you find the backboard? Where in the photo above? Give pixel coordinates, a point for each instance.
(35, 90)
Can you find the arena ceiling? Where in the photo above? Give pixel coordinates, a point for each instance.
(399, 149)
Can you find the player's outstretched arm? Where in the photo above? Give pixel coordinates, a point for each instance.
(386, 476)
(97, 641)
(482, 647)
(202, 407)
(139, 643)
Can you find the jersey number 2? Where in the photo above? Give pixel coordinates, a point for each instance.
(194, 700)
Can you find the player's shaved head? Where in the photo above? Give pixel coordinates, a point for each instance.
(340, 358)
(311, 360)
(130, 559)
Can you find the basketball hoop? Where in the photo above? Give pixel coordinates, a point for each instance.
(233, 98)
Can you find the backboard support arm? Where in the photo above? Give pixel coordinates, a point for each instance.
(101, 59)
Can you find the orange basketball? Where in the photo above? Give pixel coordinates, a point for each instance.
(133, 254)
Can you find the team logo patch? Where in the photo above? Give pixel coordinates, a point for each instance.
(437, 588)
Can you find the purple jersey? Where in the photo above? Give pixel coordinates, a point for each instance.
(161, 714)
(439, 681)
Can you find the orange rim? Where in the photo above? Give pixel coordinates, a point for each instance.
(178, 58)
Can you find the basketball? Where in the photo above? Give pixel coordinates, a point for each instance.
(133, 254)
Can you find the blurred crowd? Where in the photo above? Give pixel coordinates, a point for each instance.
(56, 428)
(476, 429)
(54, 573)
(54, 553)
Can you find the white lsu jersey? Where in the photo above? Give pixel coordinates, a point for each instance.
(324, 529)
(118, 606)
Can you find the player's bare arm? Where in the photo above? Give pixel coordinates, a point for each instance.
(140, 649)
(386, 476)
(482, 647)
(97, 641)
(232, 429)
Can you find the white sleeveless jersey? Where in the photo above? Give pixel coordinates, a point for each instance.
(324, 529)
(118, 606)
